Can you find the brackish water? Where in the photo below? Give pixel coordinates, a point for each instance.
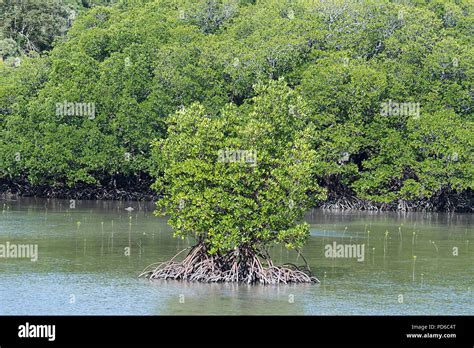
(84, 267)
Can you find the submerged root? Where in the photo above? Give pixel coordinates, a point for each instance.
(239, 266)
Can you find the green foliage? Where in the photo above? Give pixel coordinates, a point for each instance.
(139, 61)
(32, 24)
(28, 26)
(237, 204)
(8, 48)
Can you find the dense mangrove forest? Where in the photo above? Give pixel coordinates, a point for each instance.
(382, 91)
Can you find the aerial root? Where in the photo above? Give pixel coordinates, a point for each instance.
(244, 266)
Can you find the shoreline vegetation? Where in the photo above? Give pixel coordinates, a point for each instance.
(238, 116)
(138, 189)
(382, 89)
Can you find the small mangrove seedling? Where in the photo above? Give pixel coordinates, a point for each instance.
(414, 265)
(78, 224)
(102, 238)
(130, 233)
(385, 241)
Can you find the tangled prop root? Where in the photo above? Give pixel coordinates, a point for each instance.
(239, 266)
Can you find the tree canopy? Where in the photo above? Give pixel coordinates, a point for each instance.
(227, 199)
(140, 61)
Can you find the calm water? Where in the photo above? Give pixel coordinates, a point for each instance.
(83, 269)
